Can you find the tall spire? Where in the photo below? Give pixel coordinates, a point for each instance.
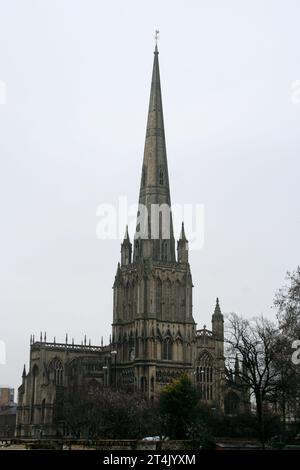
(156, 237)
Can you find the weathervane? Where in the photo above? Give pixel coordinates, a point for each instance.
(156, 37)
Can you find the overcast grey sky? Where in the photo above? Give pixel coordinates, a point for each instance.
(77, 75)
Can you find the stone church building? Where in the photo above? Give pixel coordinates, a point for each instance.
(154, 335)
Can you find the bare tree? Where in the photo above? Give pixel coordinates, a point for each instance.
(104, 413)
(254, 342)
(287, 302)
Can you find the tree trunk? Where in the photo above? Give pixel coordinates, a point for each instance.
(260, 419)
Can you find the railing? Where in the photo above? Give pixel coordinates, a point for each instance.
(73, 347)
(204, 332)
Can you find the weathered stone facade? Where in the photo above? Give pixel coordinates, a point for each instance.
(154, 336)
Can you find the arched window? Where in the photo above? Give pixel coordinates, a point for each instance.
(231, 403)
(56, 368)
(167, 298)
(137, 249)
(158, 296)
(144, 384)
(164, 250)
(35, 372)
(131, 353)
(204, 376)
(132, 299)
(144, 177)
(167, 349)
(127, 299)
(161, 177)
(152, 383)
(178, 298)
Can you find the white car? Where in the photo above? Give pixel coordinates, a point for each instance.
(155, 438)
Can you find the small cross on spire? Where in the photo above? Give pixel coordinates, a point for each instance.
(156, 37)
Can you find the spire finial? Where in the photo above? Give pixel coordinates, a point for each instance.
(182, 236)
(156, 37)
(126, 236)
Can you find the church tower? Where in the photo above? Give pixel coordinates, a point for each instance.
(153, 325)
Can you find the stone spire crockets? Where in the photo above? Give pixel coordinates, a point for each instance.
(182, 247)
(217, 312)
(126, 249)
(218, 321)
(154, 234)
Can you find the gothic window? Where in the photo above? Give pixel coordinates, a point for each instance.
(179, 349)
(167, 349)
(204, 376)
(137, 249)
(131, 354)
(131, 348)
(127, 299)
(152, 383)
(144, 177)
(164, 251)
(178, 298)
(158, 296)
(167, 298)
(182, 299)
(161, 177)
(35, 372)
(56, 368)
(231, 403)
(132, 300)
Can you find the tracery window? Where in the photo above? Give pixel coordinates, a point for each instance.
(167, 349)
(204, 376)
(158, 296)
(56, 368)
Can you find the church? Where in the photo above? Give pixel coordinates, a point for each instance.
(154, 335)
